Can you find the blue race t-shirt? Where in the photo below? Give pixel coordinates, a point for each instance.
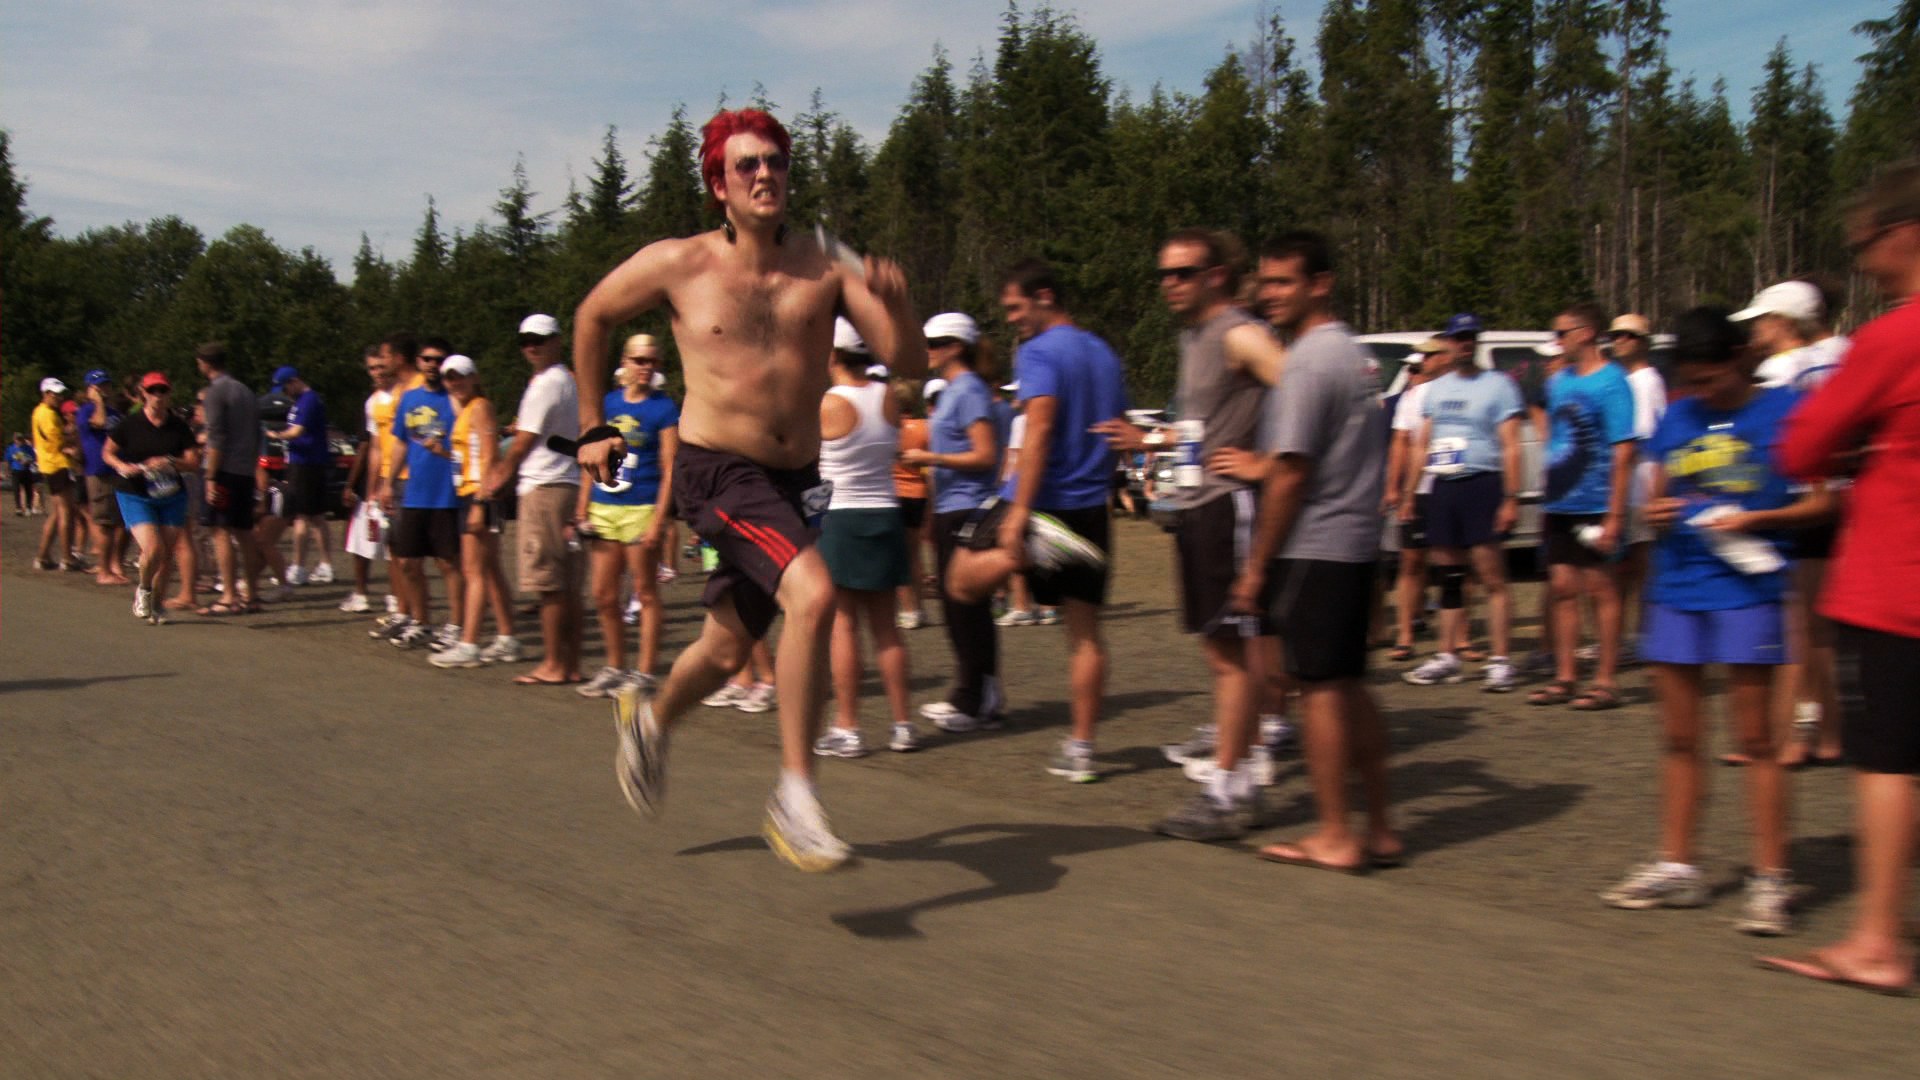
(424, 414)
(1082, 375)
(1466, 413)
(1711, 458)
(1587, 415)
(641, 423)
(20, 458)
(309, 414)
(93, 440)
(965, 402)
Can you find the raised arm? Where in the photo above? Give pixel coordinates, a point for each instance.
(878, 306)
(1251, 347)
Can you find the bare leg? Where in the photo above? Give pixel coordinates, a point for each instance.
(799, 669)
(1490, 563)
(844, 650)
(1564, 580)
(643, 565)
(1369, 749)
(889, 651)
(1407, 593)
(607, 561)
(1233, 699)
(721, 649)
(1875, 950)
(1328, 751)
(1750, 687)
(1603, 585)
(1087, 666)
(1682, 777)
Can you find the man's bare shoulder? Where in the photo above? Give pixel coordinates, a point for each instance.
(678, 254)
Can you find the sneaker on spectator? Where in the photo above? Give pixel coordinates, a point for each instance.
(142, 603)
(393, 604)
(463, 654)
(904, 739)
(447, 637)
(643, 682)
(631, 616)
(840, 742)
(356, 603)
(1538, 664)
(1587, 653)
(947, 718)
(1203, 819)
(1658, 884)
(1198, 746)
(296, 575)
(727, 697)
(1439, 668)
(1277, 735)
(1016, 617)
(1047, 616)
(1498, 677)
(501, 650)
(758, 699)
(910, 620)
(322, 574)
(1074, 763)
(603, 684)
(1767, 910)
(415, 636)
(389, 627)
(665, 575)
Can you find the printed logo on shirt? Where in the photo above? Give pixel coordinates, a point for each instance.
(1717, 462)
(629, 427)
(1584, 451)
(423, 423)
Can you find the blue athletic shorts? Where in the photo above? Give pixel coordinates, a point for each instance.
(140, 510)
(1750, 635)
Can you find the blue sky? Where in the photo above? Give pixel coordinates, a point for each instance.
(323, 119)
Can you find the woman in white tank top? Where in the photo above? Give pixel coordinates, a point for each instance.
(864, 543)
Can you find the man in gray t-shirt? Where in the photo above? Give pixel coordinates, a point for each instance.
(1324, 467)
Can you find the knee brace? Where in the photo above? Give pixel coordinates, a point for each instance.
(1453, 587)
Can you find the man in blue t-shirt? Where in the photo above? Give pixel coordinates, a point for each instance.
(309, 461)
(94, 419)
(965, 442)
(429, 520)
(1050, 518)
(1590, 450)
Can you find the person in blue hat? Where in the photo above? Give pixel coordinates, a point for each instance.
(309, 461)
(96, 417)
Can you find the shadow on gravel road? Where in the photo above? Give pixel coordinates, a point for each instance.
(11, 685)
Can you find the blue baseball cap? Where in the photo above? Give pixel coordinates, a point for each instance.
(1462, 325)
(99, 377)
(285, 374)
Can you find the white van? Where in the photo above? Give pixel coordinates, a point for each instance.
(1515, 353)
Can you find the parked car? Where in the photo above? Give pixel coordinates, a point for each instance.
(345, 452)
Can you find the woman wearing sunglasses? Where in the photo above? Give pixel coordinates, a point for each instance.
(148, 451)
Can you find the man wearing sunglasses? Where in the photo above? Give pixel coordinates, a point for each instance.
(751, 305)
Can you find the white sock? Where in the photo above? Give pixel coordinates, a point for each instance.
(1677, 868)
(1220, 786)
(796, 786)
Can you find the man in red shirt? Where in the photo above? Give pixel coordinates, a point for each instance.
(1869, 413)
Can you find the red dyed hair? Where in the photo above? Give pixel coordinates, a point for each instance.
(725, 125)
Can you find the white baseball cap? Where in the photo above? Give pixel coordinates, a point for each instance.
(1012, 387)
(1550, 348)
(51, 385)
(1795, 300)
(458, 364)
(846, 338)
(659, 379)
(540, 325)
(877, 371)
(952, 324)
(933, 387)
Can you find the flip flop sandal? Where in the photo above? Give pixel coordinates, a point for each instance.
(1814, 966)
(1474, 654)
(1272, 855)
(220, 608)
(1556, 692)
(1400, 653)
(1597, 699)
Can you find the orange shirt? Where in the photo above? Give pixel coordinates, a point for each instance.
(910, 482)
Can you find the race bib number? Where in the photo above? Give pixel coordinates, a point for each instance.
(1446, 456)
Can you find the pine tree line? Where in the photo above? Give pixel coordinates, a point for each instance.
(1499, 156)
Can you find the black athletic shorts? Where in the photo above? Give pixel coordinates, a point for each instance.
(1413, 534)
(1815, 543)
(1563, 541)
(1078, 582)
(59, 481)
(757, 518)
(238, 511)
(421, 532)
(1321, 610)
(306, 490)
(1877, 675)
(1460, 512)
(913, 512)
(23, 480)
(1211, 542)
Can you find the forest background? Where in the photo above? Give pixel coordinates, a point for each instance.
(1498, 156)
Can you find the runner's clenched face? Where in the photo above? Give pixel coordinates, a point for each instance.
(755, 181)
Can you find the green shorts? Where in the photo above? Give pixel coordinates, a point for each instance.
(620, 524)
(865, 549)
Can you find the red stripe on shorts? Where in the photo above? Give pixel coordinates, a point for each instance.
(777, 547)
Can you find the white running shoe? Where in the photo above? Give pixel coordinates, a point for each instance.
(322, 574)
(1276, 734)
(1016, 617)
(1657, 884)
(841, 743)
(1073, 763)
(447, 637)
(389, 627)
(1198, 747)
(949, 719)
(1439, 668)
(501, 650)
(910, 620)
(393, 604)
(464, 654)
(356, 603)
(1499, 676)
(296, 575)
(640, 759)
(759, 699)
(603, 684)
(1768, 909)
(727, 697)
(631, 616)
(415, 636)
(665, 575)
(798, 832)
(142, 603)
(1047, 616)
(905, 740)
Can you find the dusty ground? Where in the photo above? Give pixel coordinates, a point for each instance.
(268, 846)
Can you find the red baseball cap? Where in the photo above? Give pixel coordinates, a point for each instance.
(154, 378)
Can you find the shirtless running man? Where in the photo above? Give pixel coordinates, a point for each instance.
(752, 307)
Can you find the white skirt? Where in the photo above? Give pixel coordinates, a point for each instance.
(364, 537)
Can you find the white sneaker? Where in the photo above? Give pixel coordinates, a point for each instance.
(296, 575)
(501, 650)
(1047, 616)
(905, 740)
(841, 743)
(142, 603)
(910, 620)
(1198, 747)
(322, 574)
(448, 637)
(727, 697)
(1276, 734)
(798, 832)
(947, 718)
(464, 654)
(393, 604)
(757, 700)
(1499, 676)
(603, 684)
(1073, 763)
(1266, 771)
(631, 616)
(356, 603)
(1439, 668)
(1016, 617)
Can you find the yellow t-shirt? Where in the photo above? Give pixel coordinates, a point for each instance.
(50, 440)
(466, 450)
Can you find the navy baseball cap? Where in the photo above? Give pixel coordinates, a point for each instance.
(99, 377)
(285, 374)
(1462, 325)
